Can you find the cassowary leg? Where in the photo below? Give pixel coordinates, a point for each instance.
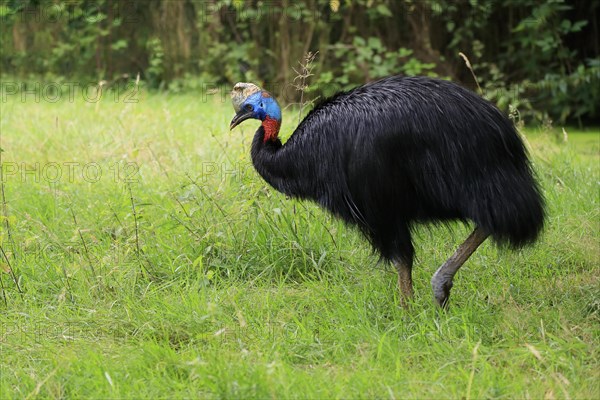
(403, 261)
(442, 279)
(404, 280)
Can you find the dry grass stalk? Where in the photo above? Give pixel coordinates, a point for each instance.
(302, 75)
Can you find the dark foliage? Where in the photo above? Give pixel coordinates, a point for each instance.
(540, 57)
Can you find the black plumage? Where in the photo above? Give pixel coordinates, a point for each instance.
(407, 150)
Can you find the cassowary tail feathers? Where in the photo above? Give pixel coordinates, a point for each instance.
(515, 216)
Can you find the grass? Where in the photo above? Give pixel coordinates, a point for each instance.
(154, 262)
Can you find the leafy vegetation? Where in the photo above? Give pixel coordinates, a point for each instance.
(152, 261)
(541, 58)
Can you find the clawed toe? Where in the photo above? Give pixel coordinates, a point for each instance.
(443, 297)
(441, 291)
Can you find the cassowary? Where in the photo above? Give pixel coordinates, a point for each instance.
(397, 152)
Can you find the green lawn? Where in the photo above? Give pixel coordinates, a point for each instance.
(154, 262)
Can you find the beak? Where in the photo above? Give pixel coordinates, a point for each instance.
(240, 117)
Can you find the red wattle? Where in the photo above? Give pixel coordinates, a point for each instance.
(271, 127)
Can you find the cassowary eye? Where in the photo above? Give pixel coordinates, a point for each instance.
(248, 107)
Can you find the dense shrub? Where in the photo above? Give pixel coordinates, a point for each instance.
(541, 57)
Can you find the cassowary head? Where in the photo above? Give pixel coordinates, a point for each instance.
(251, 102)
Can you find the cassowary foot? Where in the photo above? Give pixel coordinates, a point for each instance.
(442, 279)
(441, 290)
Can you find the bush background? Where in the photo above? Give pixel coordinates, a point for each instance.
(540, 57)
